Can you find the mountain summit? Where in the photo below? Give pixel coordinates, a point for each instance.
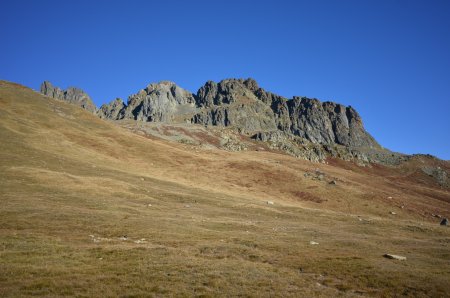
(301, 126)
(242, 104)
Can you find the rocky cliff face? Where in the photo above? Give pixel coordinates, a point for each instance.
(301, 126)
(161, 102)
(327, 123)
(72, 95)
(251, 109)
(158, 102)
(233, 103)
(113, 111)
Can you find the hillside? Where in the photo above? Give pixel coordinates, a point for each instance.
(100, 208)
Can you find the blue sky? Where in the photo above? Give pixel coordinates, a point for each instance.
(388, 59)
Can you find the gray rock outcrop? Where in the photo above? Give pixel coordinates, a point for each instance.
(72, 95)
(303, 127)
(439, 175)
(161, 102)
(113, 110)
(251, 109)
(233, 103)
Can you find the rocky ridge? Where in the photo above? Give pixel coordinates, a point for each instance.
(161, 102)
(303, 127)
(112, 110)
(72, 95)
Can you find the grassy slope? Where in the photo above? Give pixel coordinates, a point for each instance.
(72, 184)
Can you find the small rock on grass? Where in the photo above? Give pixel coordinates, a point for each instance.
(395, 257)
(270, 203)
(444, 222)
(313, 242)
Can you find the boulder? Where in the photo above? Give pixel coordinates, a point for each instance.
(395, 257)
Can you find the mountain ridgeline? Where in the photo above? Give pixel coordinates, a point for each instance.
(326, 128)
(72, 95)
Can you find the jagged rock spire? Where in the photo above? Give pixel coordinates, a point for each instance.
(72, 95)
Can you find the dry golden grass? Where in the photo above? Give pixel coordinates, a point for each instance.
(72, 185)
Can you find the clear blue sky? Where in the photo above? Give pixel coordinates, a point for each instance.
(388, 59)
